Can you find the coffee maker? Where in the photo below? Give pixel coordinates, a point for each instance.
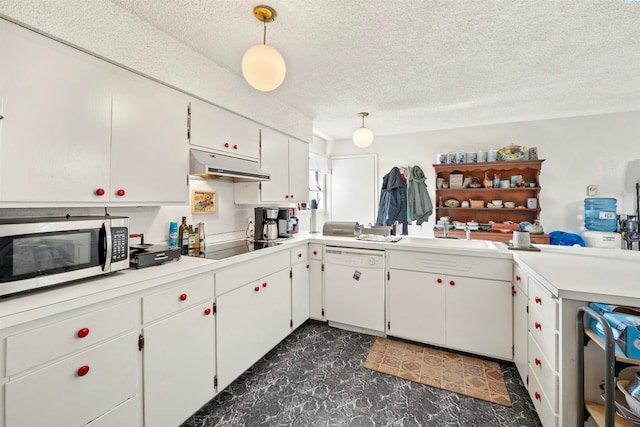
(266, 223)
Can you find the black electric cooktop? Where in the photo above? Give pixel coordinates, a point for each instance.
(228, 249)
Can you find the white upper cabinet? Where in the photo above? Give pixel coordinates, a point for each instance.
(219, 130)
(287, 161)
(149, 158)
(81, 131)
(55, 135)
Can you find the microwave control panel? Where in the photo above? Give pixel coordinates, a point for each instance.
(120, 241)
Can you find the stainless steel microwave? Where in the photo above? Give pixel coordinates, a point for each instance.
(40, 252)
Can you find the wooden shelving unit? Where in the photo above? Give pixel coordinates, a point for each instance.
(527, 169)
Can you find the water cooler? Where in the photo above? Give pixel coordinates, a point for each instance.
(602, 239)
(601, 223)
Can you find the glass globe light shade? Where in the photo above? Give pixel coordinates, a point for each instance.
(363, 137)
(263, 67)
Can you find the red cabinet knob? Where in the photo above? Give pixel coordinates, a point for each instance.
(183, 297)
(286, 197)
(538, 300)
(264, 285)
(299, 255)
(452, 283)
(315, 252)
(226, 145)
(537, 395)
(257, 288)
(235, 146)
(291, 196)
(83, 332)
(120, 192)
(207, 311)
(439, 280)
(537, 361)
(307, 265)
(538, 325)
(83, 370)
(100, 192)
(518, 278)
(513, 291)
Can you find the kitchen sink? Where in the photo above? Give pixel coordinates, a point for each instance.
(449, 243)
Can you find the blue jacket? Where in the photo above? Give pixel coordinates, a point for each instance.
(393, 200)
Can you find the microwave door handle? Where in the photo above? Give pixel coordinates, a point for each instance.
(106, 227)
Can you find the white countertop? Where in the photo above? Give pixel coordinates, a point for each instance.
(587, 274)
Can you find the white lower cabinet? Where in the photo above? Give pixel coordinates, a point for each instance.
(77, 389)
(520, 326)
(179, 351)
(428, 304)
(299, 286)
(316, 291)
(252, 319)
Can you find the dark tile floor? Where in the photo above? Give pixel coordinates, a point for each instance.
(315, 378)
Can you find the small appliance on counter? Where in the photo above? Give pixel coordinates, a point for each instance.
(341, 228)
(287, 222)
(266, 223)
(146, 255)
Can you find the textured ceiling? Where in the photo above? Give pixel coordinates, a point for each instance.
(419, 65)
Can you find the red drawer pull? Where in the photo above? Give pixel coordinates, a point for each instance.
(235, 146)
(307, 265)
(120, 192)
(100, 192)
(439, 280)
(538, 325)
(286, 197)
(207, 311)
(291, 196)
(83, 370)
(452, 283)
(518, 278)
(226, 145)
(300, 255)
(538, 361)
(257, 288)
(513, 291)
(183, 297)
(264, 285)
(538, 300)
(315, 252)
(537, 395)
(83, 332)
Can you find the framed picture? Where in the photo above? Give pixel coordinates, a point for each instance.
(203, 201)
(455, 180)
(516, 181)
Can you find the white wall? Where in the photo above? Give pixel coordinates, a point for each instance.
(578, 151)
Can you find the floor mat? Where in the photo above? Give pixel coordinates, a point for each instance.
(437, 368)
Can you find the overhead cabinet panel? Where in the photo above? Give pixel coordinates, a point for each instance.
(55, 135)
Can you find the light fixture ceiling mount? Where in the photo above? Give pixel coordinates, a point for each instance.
(263, 67)
(363, 136)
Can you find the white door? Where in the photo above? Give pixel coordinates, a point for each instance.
(275, 161)
(487, 331)
(316, 299)
(179, 366)
(298, 171)
(354, 188)
(149, 155)
(520, 332)
(56, 131)
(416, 306)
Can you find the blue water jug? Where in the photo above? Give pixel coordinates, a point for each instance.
(600, 214)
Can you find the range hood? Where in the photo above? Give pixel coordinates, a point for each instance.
(213, 165)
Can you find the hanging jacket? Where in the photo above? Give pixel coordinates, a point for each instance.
(393, 200)
(419, 199)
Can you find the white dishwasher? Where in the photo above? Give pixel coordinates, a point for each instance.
(354, 287)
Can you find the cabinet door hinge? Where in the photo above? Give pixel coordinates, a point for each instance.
(388, 275)
(527, 381)
(527, 308)
(140, 342)
(389, 325)
(215, 308)
(215, 383)
(291, 323)
(323, 312)
(1, 117)
(513, 350)
(189, 122)
(291, 273)
(322, 269)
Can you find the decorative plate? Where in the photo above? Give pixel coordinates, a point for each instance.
(452, 203)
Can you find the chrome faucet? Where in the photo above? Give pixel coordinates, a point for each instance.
(468, 232)
(445, 228)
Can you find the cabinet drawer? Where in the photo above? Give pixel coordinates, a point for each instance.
(126, 414)
(245, 272)
(544, 409)
(545, 372)
(315, 251)
(521, 280)
(299, 254)
(543, 301)
(544, 333)
(184, 295)
(67, 336)
(110, 380)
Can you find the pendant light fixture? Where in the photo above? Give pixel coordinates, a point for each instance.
(263, 66)
(363, 137)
